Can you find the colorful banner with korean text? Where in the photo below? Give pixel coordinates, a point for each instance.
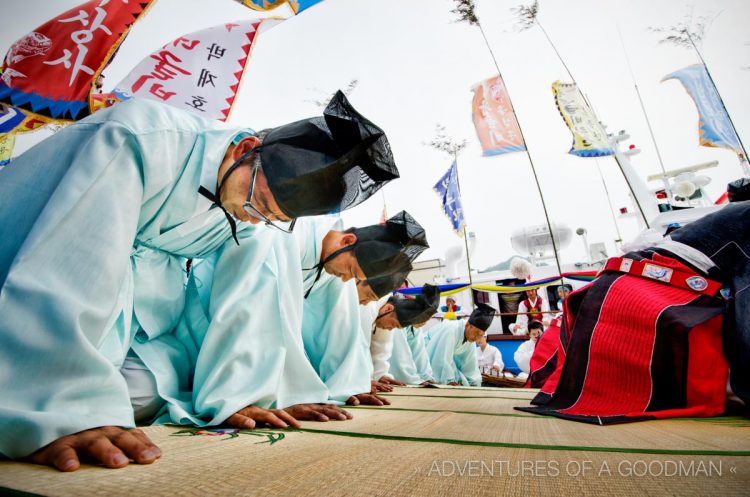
(447, 189)
(714, 126)
(297, 6)
(198, 72)
(51, 70)
(589, 136)
(494, 119)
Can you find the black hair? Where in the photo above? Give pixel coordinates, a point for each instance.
(536, 325)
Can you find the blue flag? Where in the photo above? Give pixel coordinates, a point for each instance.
(714, 128)
(447, 188)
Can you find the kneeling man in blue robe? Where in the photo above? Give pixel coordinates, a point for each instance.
(451, 347)
(331, 325)
(98, 222)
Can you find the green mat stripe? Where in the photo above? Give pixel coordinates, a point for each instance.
(454, 396)
(389, 408)
(731, 421)
(576, 448)
(484, 389)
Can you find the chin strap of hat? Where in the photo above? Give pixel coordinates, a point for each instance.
(319, 266)
(216, 198)
(380, 316)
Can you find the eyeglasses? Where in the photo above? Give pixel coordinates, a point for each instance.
(253, 211)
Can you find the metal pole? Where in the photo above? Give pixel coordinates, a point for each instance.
(466, 238)
(531, 161)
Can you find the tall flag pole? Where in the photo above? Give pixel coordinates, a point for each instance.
(528, 17)
(640, 100)
(466, 236)
(448, 189)
(465, 9)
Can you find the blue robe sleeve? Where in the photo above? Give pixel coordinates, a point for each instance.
(253, 351)
(242, 320)
(402, 365)
(440, 350)
(64, 282)
(415, 339)
(80, 212)
(468, 366)
(333, 340)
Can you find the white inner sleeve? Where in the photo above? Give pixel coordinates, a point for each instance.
(142, 387)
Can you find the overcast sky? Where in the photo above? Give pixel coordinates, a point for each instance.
(415, 68)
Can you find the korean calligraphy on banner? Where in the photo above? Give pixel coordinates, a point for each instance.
(494, 119)
(198, 72)
(296, 5)
(50, 71)
(589, 137)
(447, 188)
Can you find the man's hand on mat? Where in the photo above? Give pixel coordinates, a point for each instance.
(318, 412)
(250, 416)
(391, 381)
(453, 383)
(367, 399)
(111, 446)
(427, 382)
(380, 387)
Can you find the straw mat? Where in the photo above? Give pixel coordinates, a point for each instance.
(429, 442)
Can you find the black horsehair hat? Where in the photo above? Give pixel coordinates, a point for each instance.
(326, 164)
(384, 250)
(388, 248)
(482, 316)
(416, 309)
(387, 283)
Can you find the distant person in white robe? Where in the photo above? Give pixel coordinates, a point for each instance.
(532, 308)
(450, 346)
(98, 221)
(523, 353)
(488, 356)
(331, 321)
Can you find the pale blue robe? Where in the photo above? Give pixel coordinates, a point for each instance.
(452, 358)
(238, 343)
(331, 329)
(368, 313)
(401, 362)
(96, 221)
(415, 337)
(409, 361)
